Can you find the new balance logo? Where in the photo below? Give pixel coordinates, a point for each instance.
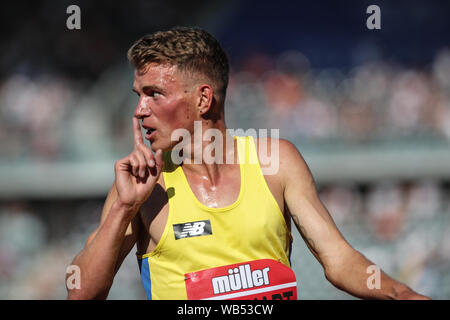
(192, 229)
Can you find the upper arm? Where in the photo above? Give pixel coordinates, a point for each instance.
(130, 234)
(309, 214)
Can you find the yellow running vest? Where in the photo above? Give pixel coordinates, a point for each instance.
(197, 238)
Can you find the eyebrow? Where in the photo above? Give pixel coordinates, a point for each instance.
(150, 87)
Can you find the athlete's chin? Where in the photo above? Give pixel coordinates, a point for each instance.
(159, 144)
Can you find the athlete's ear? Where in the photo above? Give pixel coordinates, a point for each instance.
(205, 101)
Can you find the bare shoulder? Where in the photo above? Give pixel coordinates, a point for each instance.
(284, 147)
(283, 154)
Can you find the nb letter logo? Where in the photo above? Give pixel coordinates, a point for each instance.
(192, 229)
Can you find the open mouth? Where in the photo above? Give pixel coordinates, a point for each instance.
(149, 133)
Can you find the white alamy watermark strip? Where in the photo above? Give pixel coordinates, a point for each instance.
(213, 152)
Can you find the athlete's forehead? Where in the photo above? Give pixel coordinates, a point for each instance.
(158, 76)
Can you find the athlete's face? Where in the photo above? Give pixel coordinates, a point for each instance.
(166, 102)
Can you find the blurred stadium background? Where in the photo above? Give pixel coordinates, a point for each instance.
(369, 110)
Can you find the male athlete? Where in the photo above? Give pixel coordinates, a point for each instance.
(210, 229)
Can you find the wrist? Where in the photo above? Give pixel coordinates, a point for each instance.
(126, 210)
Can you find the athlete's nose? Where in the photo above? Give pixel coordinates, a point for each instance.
(143, 108)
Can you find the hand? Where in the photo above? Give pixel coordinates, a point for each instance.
(412, 296)
(407, 294)
(137, 173)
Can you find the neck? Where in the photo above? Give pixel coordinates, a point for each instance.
(210, 151)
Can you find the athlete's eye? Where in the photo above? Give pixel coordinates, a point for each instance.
(153, 93)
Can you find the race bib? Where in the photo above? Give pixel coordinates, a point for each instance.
(259, 279)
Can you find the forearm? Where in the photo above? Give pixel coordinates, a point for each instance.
(354, 276)
(97, 261)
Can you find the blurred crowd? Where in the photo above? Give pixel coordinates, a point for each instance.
(38, 241)
(375, 101)
(402, 227)
(66, 97)
(77, 106)
(49, 117)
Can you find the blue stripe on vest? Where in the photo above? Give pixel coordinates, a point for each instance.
(145, 277)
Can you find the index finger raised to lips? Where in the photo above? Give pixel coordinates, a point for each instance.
(138, 140)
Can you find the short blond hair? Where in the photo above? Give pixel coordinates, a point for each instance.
(189, 49)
